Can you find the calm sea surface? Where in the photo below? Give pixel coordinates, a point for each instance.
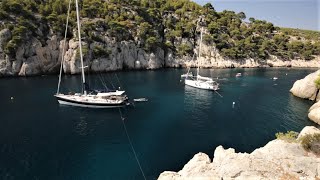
(39, 139)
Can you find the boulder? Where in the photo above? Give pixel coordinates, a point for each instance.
(308, 130)
(314, 112)
(276, 160)
(306, 88)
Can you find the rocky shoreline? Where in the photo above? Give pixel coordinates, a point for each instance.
(35, 58)
(306, 89)
(278, 159)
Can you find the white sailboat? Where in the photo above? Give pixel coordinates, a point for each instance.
(198, 81)
(88, 98)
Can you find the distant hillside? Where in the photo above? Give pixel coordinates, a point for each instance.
(302, 34)
(150, 24)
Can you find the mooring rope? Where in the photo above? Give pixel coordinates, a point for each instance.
(133, 150)
(109, 79)
(102, 81)
(218, 94)
(118, 80)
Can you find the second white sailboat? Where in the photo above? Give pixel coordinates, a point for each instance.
(199, 81)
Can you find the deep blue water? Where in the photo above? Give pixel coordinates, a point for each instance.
(41, 140)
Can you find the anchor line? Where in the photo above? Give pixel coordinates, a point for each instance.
(218, 94)
(131, 145)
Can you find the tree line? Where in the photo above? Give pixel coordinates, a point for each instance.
(169, 24)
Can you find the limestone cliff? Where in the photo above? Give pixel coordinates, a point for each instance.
(306, 88)
(276, 160)
(144, 34)
(34, 58)
(31, 58)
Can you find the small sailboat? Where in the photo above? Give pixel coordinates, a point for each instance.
(87, 97)
(199, 81)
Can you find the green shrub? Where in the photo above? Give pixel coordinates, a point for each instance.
(11, 48)
(311, 142)
(231, 52)
(185, 49)
(290, 136)
(85, 51)
(4, 15)
(101, 52)
(307, 55)
(169, 45)
(207, 39)
(151, 43)
(119, 31)
(317, 82)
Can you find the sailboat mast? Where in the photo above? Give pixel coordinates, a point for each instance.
(199, 53)
(80, 47)
(63, 49)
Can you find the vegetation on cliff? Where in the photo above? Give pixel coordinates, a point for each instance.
(310, 142)
(168, 24)
(317, 83)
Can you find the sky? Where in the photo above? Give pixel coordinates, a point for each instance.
(302, 14)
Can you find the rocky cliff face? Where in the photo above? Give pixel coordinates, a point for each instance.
(306, 88)
(35, 58)
(32, 58)
(276, 160)
(211, 58)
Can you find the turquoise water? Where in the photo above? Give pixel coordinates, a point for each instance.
(41, 140)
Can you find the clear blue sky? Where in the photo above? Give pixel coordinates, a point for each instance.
(302, 14)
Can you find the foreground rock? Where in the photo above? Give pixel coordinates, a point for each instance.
(276, 160)
(306, 88)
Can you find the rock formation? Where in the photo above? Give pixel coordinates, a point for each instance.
(32, 58)
(314, 112)
(35, 57)
(276, 160)
(306, 88)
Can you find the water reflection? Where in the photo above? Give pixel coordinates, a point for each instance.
(197, 98)
(81, 127)
(292, 115)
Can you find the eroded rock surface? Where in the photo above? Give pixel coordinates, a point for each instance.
(276, 160)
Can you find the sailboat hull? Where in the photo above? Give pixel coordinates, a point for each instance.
(88, 104)
(201, 85)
